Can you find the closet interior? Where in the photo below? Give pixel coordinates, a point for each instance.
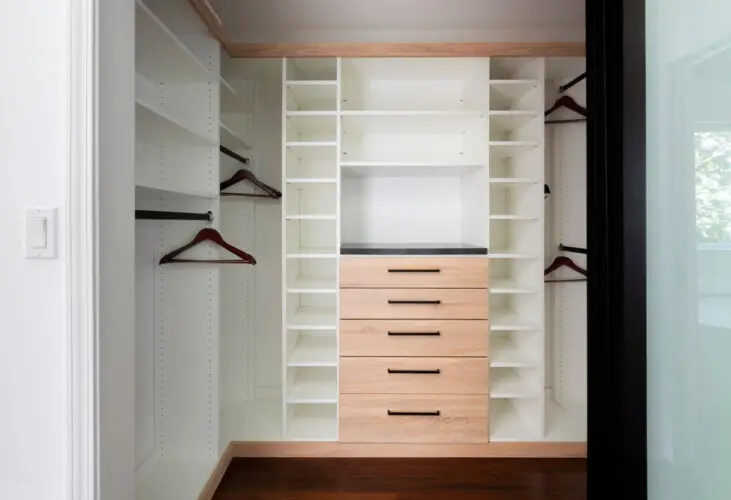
(374, 235)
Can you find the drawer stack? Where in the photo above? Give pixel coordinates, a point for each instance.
(413, 349)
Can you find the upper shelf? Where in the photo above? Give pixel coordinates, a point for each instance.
(160, 55)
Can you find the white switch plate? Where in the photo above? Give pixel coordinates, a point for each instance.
(40, 233)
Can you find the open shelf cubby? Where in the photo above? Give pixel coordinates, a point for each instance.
(311, 163)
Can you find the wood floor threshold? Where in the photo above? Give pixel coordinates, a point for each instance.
(373, 450)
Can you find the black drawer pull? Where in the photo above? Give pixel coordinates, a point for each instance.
(415, 413)
(414, 270)
(416, 372)
(434, 302)
(415, 334)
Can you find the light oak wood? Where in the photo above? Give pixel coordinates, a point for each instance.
(514, 49)
(385, 376)
(369, 337)
(209, 490)
(406, 450)
(399, 272)
(440, 303)
(365, 418)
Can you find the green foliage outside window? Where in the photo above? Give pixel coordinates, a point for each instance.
(713, 186)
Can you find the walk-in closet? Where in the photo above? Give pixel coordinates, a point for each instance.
(353, 256)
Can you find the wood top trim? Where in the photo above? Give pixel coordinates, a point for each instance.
(380, 450)
(430, 49)
(275, 50)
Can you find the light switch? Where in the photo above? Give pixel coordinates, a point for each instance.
(40, 233)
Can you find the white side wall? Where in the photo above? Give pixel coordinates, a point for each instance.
(34, 160)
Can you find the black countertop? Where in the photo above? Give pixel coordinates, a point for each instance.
(411, 249)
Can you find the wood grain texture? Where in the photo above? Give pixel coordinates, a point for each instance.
(456, 376)
(211, 486)
(370, 337)
(404, 479)
(379, 303)
(388, 272)
(364, 418)
(386, 450)
(513, 49)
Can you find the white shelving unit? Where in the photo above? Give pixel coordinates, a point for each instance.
(517, 409)
(311, 221)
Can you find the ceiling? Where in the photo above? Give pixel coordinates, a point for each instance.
(309, 20)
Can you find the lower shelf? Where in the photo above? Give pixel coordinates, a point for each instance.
(566, 423)
(174, 479)
(312, 422)
(515, 420)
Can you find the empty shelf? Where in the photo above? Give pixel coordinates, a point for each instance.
(507, 286)
(509, 424)
(313, 385)
(231, 139)
(160, 55)
(406, 169)
(313, 253)
(507, 383)
(313, 286)
(508, 321)
(312, 422)
(508, 181)
(313, 318)
(155, 126)
(311, 180)
(505, 353)
(314, 350)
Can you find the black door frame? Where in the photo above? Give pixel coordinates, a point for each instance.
(617, 365)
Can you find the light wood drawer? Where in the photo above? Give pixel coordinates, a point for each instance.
(367, 337)
(413, 272)
(414, 375)
(383, 418)
(423, 303)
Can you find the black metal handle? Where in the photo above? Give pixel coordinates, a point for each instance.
(415, 413)
(416, 372)
(435, 302)
(414, 270)
(414, 334)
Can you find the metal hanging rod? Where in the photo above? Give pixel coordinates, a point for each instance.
(565, 248)
(564, 88)
(573, 120)
(234, 155)
(161, 215)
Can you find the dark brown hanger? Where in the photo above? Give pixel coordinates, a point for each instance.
(569, 103)
(246, 175)
(209, 234)
(562, 261)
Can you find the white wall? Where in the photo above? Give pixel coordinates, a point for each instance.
(34, 158)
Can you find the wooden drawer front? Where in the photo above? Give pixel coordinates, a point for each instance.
(383, 418)
(413, 272)
(367, 337)
(414, 375)
(413, 304)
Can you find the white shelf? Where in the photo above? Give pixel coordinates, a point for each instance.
(311, 217)
(313, 286)
(513, 90)
(410, 122)
(313, 385)
(311, 180)
(405, 169)
(174, 479)
(292, 114)
(311, 96)
(310, 83)
(512, 181)
(314, 350)
(502, 150)
(155, 126)
(160, 55)
(311, 144)
(505, 353)
(312, 423)
(506, 384)
(507, 254)
(314, 253)
(313, 318)
(513, 217)
(508, 321)
(149, 190)
(231, 139)
(511, 118)
(508, 423)
(503, 286)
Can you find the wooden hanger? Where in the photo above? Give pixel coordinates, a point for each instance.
(561, 262)
(246, 175)
(569, 103)
(209, 234)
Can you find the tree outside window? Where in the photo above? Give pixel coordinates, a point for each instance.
(713, 186)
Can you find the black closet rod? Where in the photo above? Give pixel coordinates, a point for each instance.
(565, 248)
(564, 88)
(234, 155)
(161, 215)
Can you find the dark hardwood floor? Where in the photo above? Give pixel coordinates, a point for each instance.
(403, 479)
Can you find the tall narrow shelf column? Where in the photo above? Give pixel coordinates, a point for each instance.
(517, 337)
(310, 237)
